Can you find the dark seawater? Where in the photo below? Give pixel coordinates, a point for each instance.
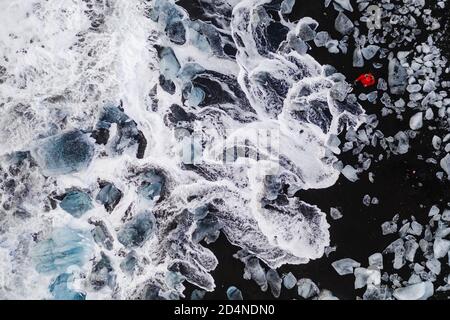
(403, 184)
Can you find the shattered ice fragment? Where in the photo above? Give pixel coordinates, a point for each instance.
(376, 261)
(445, 164)
(350, 173)
(411, 247)
(76, 203)
(321, 38)
(138, 230)
(389, 227)
(419, 291)
(274, 280)
(307, 288)
(344, 4)
(335, 214)
(326, 295)
(61, 288)
(102, 273)
(345, 266)
(343, 24)
(370, 51)
(109, 196)
(397, 77)
(364, 277)
(198, 294)
(65, 248)
(433, 211)
(101, 235)
(434, 266)
(65, 153)
(234, 293)
(416, 121)
(358, 60)
(289, 281)
(441, 248)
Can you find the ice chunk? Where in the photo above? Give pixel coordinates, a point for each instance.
(434, 266)
(411, 247)
(289, 281)
(128, 265)
(345, 4)
(343, 24)
(234, 293)
(445, 164)
(419, 291)
(376, 261)
(434, 210)
(398, 77)
(401, 143)
(415, 229)
(389, 227)
(364, 277)
(377, 293)
(358, 60)
(102, 274)
(416, 121)
(307, 288)
(350, 173)
(65, 153)
(61, 288)
(345, 266)
(254, 271)
(321, 38)
(441, 247)
(335, 214)
(65, 248)
(76, 203)
(209, 228)
(198, 294)
(274, 281)
(326, 295)
(152, 186)
(109, 196)
(135, 232)
(369, 52)
(101, 235)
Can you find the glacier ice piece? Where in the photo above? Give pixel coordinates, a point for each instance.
(65, 248)
(376, 261)
(234, 293)
(441, 248)
(198, 294)
(307, 288)
(345, 266)
(289, 281)
(76, 203)
(135, 232)
(61, 288)
(350, 173)
(398, 77)
(369, 52)
(109, 196)
(335, 214)
(419, 291)
(416, 121)
(343, 24)
(445, 164)
(274, 280)
(102, 273)
(66, 153)
(364, 277)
